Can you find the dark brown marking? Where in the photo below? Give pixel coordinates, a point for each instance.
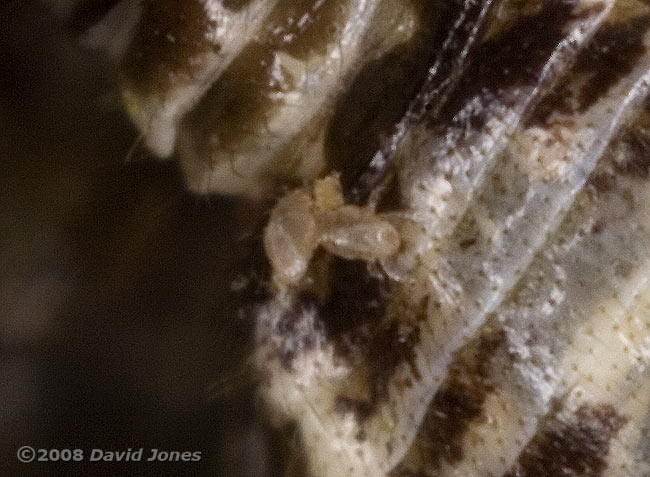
(356, 296)
(457, 404)
(575, 448)
(611, 55)
(634, 159)
(351, 307)
(404, 471)
(602, 182)
(465, 244)
(505, 69)
(392, 345)
(597, 227)
(559, 100)
(361, 410)
(297, 332)
(468, 230)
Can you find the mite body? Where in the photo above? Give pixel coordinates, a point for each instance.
(303, 220)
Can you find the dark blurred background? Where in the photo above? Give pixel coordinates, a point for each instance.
(120, 326)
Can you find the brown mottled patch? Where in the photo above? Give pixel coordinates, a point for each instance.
(361, 410)
(404, 471)
(598, 227)
(392, 345)
(465, 244)
(350, 305)
(559, 100)
(384, 345)
(634, 157)
(602, 182)
(456, 405)
(458, 402)
(297, 332)
(505, 68)
(168, 36)
(468, 232)
(628, 155)
(356, 296)
(578, 447)
(612, 54)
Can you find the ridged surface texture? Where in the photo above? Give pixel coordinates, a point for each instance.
(507, 143)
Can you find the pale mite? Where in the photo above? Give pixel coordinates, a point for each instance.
(317, 216)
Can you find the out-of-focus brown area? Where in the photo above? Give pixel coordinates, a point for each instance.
(118, 317)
